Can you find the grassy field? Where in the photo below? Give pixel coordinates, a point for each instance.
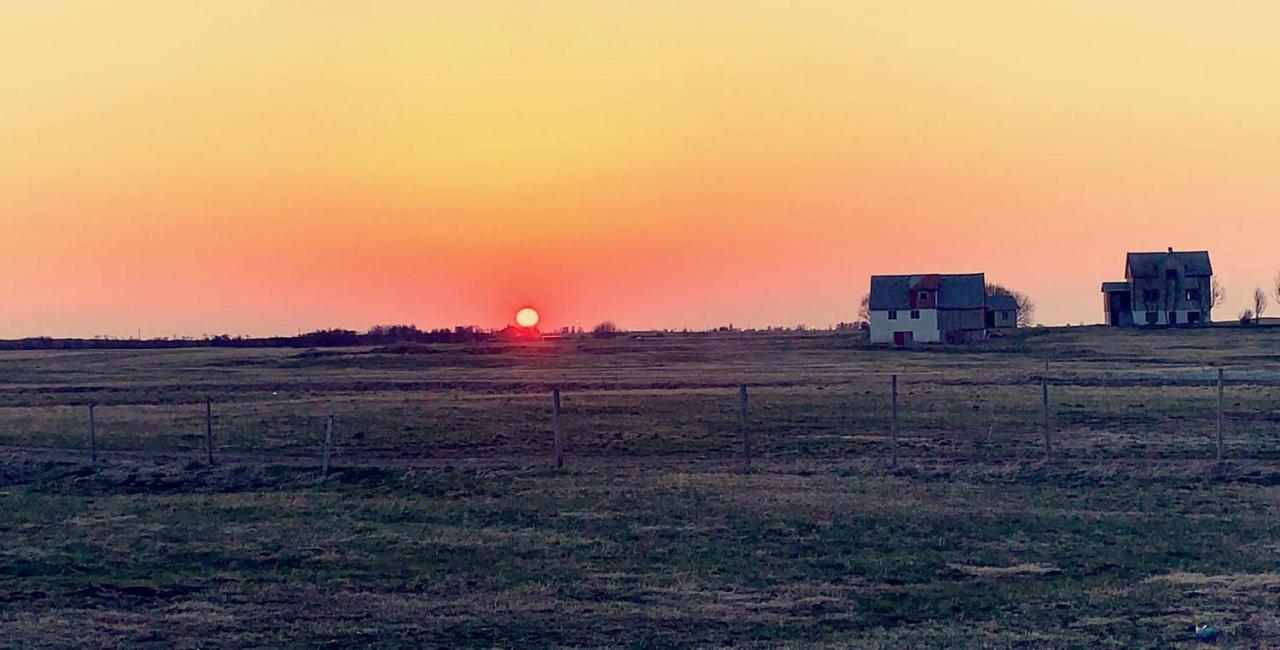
(444, 523)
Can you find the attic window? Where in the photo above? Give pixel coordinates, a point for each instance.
(1171, 274)
(924, 295)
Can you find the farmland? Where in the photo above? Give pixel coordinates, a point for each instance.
(444, 521)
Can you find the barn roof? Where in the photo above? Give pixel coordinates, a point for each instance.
(955, 291)
(1148, 265)
(1002, 301)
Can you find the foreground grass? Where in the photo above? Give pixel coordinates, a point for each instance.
(443, 527)
(789, 553)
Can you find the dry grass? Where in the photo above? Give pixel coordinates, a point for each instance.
(444, 526)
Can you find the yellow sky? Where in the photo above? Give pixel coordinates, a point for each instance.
(254, 167)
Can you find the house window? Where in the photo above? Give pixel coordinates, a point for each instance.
(1004, 316)
(893, 314)
(915, 314)
(1151, 318)
(1193, 295)
(1171, 274)
(924, 295)
(1193, 317)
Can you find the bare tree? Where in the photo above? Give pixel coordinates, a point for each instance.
(1217, 294)
(1026, 308)
(605, 330)
(1259, 304)
(1246, 317)
(1276, 287)
(864, 308)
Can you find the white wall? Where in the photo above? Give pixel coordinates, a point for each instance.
(923, 329)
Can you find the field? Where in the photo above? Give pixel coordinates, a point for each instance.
(445, 522)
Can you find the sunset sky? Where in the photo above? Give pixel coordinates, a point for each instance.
(257, 167)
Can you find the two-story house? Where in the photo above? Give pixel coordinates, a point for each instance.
(1169, 288)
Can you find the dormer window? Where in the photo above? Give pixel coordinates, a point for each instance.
(924, 295)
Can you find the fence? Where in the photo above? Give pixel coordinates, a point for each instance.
(1159, 412)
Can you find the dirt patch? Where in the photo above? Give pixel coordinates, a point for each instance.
(1014, 571)
(1230, 581)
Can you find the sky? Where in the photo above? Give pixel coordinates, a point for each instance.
(258, 167)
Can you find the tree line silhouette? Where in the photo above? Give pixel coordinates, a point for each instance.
(328, 338)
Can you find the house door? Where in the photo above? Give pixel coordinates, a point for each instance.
(902, 339)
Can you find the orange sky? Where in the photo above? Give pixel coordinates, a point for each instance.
(256, 167)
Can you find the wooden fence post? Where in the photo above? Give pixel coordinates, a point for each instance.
(328, 445)
(93, 435)
(208, 429)
(745, 417)
(893, 428)
(1044, 389)
(557, 426)
(1220, 373)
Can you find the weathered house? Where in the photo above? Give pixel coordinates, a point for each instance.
(1169, 288)
(935, 308)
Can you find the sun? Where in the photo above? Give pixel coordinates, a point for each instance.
(527, 317)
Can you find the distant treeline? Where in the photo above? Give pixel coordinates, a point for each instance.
(380, 335)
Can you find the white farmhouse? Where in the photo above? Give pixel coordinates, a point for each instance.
(934, 308)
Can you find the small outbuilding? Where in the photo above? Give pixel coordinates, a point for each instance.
(1002, 312)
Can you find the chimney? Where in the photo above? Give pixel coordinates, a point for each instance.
(1170, 249)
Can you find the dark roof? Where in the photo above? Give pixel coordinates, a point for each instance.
(1108, 287)
(957, 291)
(1148, 265)
(1002, 302)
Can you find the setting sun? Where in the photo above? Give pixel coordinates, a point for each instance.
(527, 317)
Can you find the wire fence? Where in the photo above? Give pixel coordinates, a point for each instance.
(1155, 412)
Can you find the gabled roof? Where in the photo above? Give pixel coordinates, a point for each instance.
(955, 291)
(1148, 265)
(1003, 302)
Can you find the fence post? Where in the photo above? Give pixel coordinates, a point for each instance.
(328, 445)
(745, 417)
(1044, 389)
(557, 426)
(893, 429)
(1220, 373)
(93, 435)
(208, 429)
